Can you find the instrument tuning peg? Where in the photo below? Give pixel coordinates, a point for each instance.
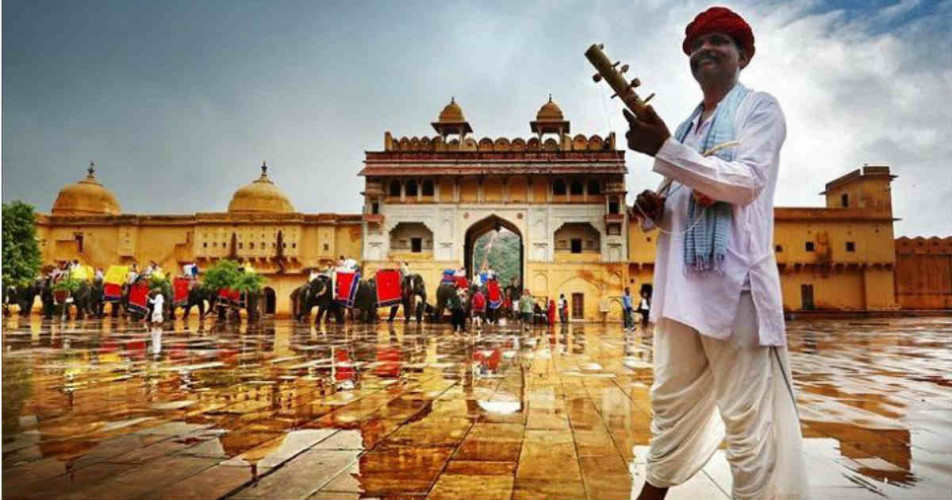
(635, 83)
(601, 46)
(650, 97)
(615, 64)
(597, 77)
(624, 68)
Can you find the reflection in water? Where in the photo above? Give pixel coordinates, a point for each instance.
(395, 409)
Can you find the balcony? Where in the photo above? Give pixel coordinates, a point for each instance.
(373, 218)
(614, 218)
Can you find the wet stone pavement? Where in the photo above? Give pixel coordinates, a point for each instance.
(100, 409)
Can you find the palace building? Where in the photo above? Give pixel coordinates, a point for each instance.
(260, 227)
(428, 199)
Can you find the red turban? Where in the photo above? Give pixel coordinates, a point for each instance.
(720, 20)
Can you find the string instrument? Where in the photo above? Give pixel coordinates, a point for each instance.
(615, 78)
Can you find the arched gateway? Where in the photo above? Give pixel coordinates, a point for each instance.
(427, 201)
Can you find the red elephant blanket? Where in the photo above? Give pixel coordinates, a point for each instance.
(346, 288)
(388, 287)
(180, 288)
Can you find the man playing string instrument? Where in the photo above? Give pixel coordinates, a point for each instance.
(720, 337)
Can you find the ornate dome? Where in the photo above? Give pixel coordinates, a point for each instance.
(86, 197)
(550, 112)
(452, 113)
(261, 196)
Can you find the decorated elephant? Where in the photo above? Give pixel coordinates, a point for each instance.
(411, 287)
(365, 301)
(198, 295)
(443, 294)
(317, 293)
(230, 309)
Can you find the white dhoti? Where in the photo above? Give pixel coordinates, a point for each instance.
(749, 385)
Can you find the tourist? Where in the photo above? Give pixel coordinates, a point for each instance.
(525, 307)
(405, 268)
(719, 341)
(313, 275)
(551, 312)
(563, 309)
(626, 307)
(644, 308)
(479, 309)
(458, 313)
(99, 274)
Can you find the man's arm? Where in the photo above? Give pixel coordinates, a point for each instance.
(740, 181)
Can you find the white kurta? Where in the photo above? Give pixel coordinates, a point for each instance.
(708, 302)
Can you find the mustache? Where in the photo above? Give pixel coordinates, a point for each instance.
(696, 61)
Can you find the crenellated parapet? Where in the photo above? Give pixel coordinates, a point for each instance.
(579, 142)
(550, 126)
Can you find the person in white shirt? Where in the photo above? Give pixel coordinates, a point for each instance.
(719, 338)
(158, 306)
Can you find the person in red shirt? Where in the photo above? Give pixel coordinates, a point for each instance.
(479, 309)
(551, 312)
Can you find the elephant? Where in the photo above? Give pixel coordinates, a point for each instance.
(249, 301)
(82, 299)
(317, 293)
(198, 295)
(411, 287)
(95, 304)
(443, 293)
(365, 301)
(22, 296)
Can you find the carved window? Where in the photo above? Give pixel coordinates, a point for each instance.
(411, 188)
(809, 247)
(558, 188)
(394, 188)
(576, 188)
(594, 187)
(427, 188)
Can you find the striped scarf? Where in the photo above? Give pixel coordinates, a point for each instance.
(705, 243)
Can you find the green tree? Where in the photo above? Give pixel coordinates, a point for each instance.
(21, 252)
(227, 273)
(249, 283)
(222, 274)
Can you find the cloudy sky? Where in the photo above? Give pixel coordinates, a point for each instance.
(178, 102)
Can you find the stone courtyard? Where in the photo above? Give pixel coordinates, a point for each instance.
(103, 409)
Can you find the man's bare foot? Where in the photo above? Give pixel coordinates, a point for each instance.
(649, 492)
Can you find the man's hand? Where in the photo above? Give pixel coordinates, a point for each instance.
(648, 135)
(651, 204)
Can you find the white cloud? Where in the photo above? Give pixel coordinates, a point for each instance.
(856, 88)
(852, 94)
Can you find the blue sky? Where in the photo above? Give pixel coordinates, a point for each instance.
(178, 102)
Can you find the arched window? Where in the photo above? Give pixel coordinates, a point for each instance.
(558, 188)
(394, 188)
(428, 188)
(576, 188)
(594, 187)
(411, 188)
